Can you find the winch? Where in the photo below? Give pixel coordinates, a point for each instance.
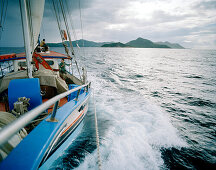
(21, 106)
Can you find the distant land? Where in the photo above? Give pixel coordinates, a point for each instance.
(144, 43)
(80, 43)
(171, 45)
(118, 44)
(138, 43)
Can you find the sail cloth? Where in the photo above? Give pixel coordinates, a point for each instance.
(31, 14)
(36, 14)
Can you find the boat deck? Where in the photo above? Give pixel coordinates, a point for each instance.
(4, 106)
(49, 54)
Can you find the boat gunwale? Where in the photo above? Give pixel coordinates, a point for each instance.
(11, 129)
(51, 135)
(20, 56)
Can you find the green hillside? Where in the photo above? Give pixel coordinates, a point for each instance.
(80, 43)
(118, 44)
(144, 43)
(171, 45)
(138, 43)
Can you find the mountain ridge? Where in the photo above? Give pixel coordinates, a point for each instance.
(172, 45)
(80, 43)
(144, 43)
(138, 43)
(118, 44)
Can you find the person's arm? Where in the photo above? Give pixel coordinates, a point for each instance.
(60, 65)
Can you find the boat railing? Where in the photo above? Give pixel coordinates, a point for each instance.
(5, 67)
(11, 129)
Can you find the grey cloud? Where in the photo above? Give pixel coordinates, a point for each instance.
(206, 5)
(98, 15)
(162, 16)
(71, 5)
(12, 29)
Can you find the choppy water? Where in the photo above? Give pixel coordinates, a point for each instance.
(156, 110)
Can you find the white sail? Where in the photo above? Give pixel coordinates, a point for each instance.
(37, 10)
(32, 13)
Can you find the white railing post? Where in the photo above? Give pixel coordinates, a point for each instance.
(52, 118)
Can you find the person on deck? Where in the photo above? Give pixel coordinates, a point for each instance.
(43, 44)
(62, 69)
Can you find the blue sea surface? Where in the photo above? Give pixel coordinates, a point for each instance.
(156, 109)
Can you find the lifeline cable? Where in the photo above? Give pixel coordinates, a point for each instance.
(97, 135)
(68, 32)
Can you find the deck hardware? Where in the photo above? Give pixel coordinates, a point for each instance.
(87, 87)
(52, 118)
(78, 92)
(8, 131)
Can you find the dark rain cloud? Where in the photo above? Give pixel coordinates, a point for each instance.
(12, 29)
(112, 21)
(71, 5)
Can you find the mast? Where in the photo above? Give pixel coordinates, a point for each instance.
(31, 16)
(26, 36)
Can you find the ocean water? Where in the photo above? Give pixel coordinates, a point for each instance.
(156, 109)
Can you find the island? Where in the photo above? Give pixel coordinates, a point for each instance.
(144, 43)
(137, 43)
(118, 44)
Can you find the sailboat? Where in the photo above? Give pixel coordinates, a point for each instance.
(41, 109)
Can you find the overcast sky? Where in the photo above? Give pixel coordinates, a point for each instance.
(191, 23)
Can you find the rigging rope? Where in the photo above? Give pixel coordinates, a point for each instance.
(70, 17)
(3, 16)
(57, 18)
(71, 22)
(66, 25)
(5, 12)
(81, 23)
(2, 12)
(97, 135)
(68, 32)
(59, 27)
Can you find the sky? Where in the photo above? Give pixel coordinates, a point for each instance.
(192, 23)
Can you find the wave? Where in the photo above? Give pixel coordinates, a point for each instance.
(138, 131)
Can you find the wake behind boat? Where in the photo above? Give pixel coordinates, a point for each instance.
(42, 103)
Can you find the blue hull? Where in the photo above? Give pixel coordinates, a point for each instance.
(60, 151)
(49, 139)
